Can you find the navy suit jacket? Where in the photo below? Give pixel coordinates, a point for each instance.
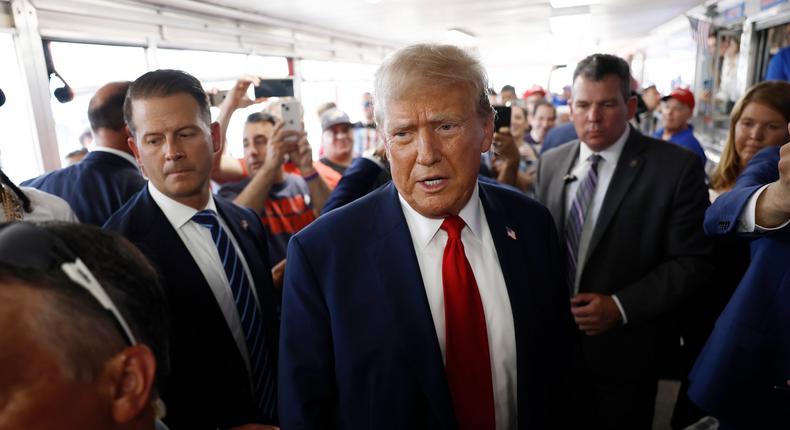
(558, 135)
(361, 177)
(95, 187)
(748, 352)
(208, 385)
(358, 344)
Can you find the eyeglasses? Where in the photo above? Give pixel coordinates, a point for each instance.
(27, 246)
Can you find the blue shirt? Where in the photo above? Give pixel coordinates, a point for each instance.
(687, 140)
(779, 66)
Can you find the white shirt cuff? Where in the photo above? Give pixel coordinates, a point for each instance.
(620, 307)
(747, 222)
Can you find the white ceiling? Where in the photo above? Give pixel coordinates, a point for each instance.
(509, 32)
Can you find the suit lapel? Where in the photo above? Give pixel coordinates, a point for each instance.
(400, 282)
(154, 230)
(628, 168)
(515, 267)
(511, 257)
(557, 186)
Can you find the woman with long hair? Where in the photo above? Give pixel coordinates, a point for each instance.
(759, 119)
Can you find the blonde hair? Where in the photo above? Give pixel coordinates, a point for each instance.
(429, 65)
(772, 94)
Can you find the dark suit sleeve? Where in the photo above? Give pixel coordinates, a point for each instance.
(357, 181)
(686, 252)
(306, 374)
(723, 216)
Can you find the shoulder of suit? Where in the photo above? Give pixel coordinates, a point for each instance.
(126, 217)
(353, 216)
(513, 201)
(660, 149)
(559, 152)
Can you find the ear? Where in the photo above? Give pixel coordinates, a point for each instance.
(135, 151)
(131, 374)
(631, 104)
(488, 133)
(216, 138)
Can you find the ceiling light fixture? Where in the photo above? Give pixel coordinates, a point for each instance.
(559, 4)
(459, 37)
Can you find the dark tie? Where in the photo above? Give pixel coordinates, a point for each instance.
(576, 217)
(467, 362)
(264, 383)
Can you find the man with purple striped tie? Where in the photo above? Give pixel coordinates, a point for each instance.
(629, 211)
(211, 256)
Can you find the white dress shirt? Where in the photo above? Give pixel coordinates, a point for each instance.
(200, 245)
(748, 219)
(125, 155)
(429, 241)
(606, 166)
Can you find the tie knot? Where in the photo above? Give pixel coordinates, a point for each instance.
(206, 218)
(594, 159)
(453, 225)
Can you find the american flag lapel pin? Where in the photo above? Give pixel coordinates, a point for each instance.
(244, 225)
(510, 233)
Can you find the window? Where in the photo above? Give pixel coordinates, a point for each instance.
(18, 156)
(332, 81)
(220, 70)
(87, 67)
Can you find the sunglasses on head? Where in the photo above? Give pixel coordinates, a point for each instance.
(27, 246)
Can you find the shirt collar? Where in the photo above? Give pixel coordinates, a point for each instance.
(125, 155)
(426, 228)
(176, 213)
(611, 154)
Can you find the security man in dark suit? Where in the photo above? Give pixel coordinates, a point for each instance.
(629, 210)
(211, 256)
(106, 178)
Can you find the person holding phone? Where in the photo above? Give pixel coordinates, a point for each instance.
(285, 201)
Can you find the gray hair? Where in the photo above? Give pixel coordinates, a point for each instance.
(435, 65)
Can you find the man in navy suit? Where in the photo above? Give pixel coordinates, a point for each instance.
(211, 256)
(435, 302)
(742, 376)
(106, 178)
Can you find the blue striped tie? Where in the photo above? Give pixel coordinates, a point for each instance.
(264, 383)
(576, 216)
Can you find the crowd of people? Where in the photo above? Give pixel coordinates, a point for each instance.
(429, 270)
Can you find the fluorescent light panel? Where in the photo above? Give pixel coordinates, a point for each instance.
(558, 4)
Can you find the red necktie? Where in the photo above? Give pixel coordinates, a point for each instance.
(467, 362)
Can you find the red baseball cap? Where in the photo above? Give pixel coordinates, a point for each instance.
(682, 95)
(535, 90)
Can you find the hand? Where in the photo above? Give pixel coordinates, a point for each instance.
(594, 313)
(278, 273)
(506, 158)
(303, 156)
(237, 96)
(773, 205)
(505, 148)
(282, 142)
